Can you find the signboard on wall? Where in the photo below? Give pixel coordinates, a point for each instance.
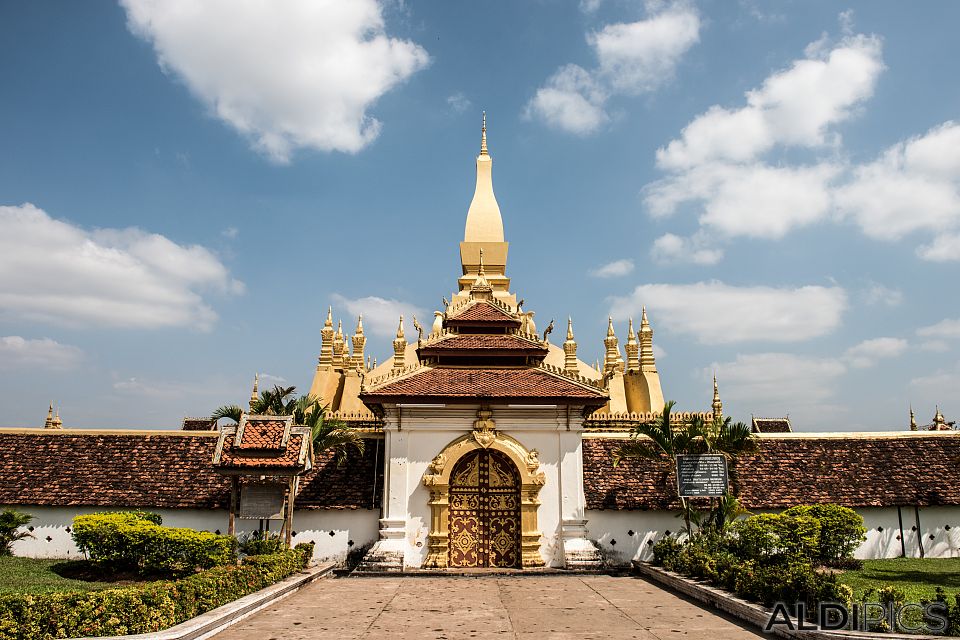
(262, 501)
(701, 476)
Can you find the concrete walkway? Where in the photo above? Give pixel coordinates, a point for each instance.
(486, 607)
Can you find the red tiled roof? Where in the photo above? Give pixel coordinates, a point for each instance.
(502, 383)
(262, 435)
(852, 471)
(242, 457)
(485, 342)
(163, 470)
(771, 425)
(199, 424)
(120, 470)
(355, 484)
(483, 312)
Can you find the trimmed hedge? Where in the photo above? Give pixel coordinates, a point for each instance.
(135, 540)
(841, 530)
(142, 609)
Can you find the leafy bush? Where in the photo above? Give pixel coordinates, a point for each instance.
(141, 609)
(11, 521)
(776, 537)
(841, 530)
(256, 543)
(765, 558)
(135, 541)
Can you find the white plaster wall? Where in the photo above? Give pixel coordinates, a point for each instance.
(881, 523)
(358, 526)
(611, 531)
(425, 432)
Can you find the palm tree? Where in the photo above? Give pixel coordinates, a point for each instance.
(658, 439)
(11, 522)
(327, 435)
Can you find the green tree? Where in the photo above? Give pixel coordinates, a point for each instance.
(11, 521)
(307, 410)
(659, 439)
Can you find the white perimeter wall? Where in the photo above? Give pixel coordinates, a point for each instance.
(356, 526)
(627, 535)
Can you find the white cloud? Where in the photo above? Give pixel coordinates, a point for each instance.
(230, 233)
(632, 58)
(299, 74)
(717, 313)
(53, 271)
(570, 100)
(913, 186)
(718, 167)
(639, 56)
(947, 328)
(778, 382)
(589, 6)
(868, 352)
(17, 352)
(614, 269)
(935, 346)
(381, 315)
(458, 102)
(794, 107)
(670, 248)
(752, 200)
(879, 294)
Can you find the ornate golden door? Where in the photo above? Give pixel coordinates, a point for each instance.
(484, 511)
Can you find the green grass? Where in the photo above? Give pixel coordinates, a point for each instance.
(33, 575)
(918, 579)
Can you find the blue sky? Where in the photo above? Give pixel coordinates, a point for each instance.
(183, 191)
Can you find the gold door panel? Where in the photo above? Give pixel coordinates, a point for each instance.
(484, 511)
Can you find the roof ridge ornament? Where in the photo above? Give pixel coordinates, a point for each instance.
(483, 136)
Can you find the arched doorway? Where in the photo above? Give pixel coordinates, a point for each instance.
(484, 511)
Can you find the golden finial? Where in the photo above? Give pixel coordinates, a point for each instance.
(717, 405)
(329, 322)
(48, 423)
(255, 393)
(480, 272)
(359, 330)
(913, 419)
(400, 328)
(569, 328)
(483, 136)
(610, 331)
(57, 422)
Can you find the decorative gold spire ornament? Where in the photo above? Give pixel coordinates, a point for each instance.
(632, 347)
(57, 422)
(570, 350)
(913, 420)
(483, 136)
(359, 340)
(255, 393)
(717, 404)
(48, 423)
(326, 340)
(399, 347)
(339, 345)
(939, 422)
(647, 362)
(611, 359)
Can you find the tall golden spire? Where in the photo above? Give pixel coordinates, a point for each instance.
(57, 422)
(48, 423)
(570, 350)
(339, 345)
(717, 405)
(939, 422)
(484, 222)
(913, 420)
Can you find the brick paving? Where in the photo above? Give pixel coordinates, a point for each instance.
(549, 607)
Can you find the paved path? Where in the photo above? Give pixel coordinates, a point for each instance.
(548, 607)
